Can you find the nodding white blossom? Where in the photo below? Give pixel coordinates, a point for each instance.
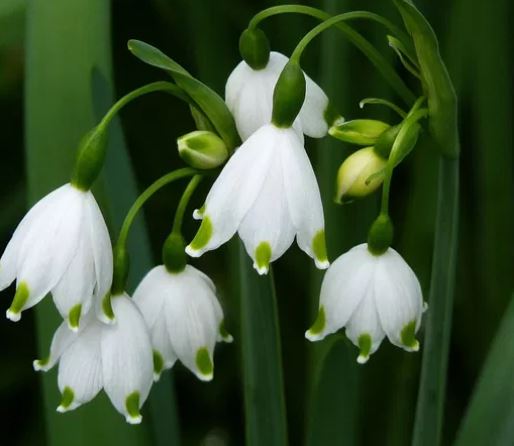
(373, 296)
(184, 317)
(249, 96)
(267, 192)
(61, 246)
(116, 357)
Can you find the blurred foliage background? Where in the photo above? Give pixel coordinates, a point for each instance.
(477, 45)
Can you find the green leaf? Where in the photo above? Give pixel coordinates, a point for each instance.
(208, 101)
(331, 419)
(262, 362)
(432, 389)
(490, 415)
(437, 85)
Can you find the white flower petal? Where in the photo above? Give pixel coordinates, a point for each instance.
(234, 192)
(312, 114)
(102, 254)
(398, 299)
(342, 290)
(48, 248)
(267, 230)
(80, 369)
(9, 260)
(149, 298)
(364, 328)
(76, 285)
(249, 94)
(62, 339)
(127, 363)
(192, 323)
(304, 200)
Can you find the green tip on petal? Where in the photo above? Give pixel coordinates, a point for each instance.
(262, 258)
(319, 248)
(365, 343)
(132, 406)
(315, 332)
(74, 317)
(19, 301)
(158, 365)
(408, 337)
(225, 335)
(202, 237)
(41, 364)
(198, 213)
(204, 364)
(67, 398)
(107, 311)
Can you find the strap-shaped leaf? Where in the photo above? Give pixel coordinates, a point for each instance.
(490, 415)
(437, 85)
(207, 100)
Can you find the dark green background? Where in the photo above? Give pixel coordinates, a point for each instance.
(476, 42)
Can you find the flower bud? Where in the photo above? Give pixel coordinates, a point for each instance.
(202, 149)
(288, 96)
(353, 177)
(254, 48)
(362, 132)
(90, 158)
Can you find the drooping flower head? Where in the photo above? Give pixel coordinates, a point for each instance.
(116, 357)
(61, 246)
(184, 317)
(268, 193)
(373, 296)
(249, 96)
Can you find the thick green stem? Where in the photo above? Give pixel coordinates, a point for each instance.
(262, 359)
(355, 38)
(430, 405)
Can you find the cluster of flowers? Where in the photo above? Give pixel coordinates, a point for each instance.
(62, 246)
(268, 193)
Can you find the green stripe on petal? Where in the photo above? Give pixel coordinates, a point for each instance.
(365, 344)
(204, 363)
(66, 400)
(158, 364)
(319, 249)
(19, 301)
(107, 307)
(74, 317)
(262, 257)
(314, 333)
(132, 407)
(408, 337)
(203, 235)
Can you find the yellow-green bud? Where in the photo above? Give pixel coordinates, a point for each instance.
(202, 149)
(363, 132)
(354, 176)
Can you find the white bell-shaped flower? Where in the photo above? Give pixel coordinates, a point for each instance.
(267, 192)
(184, 317)
(249, 96)
(116, 357)
(61, 246)
(373, 296)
